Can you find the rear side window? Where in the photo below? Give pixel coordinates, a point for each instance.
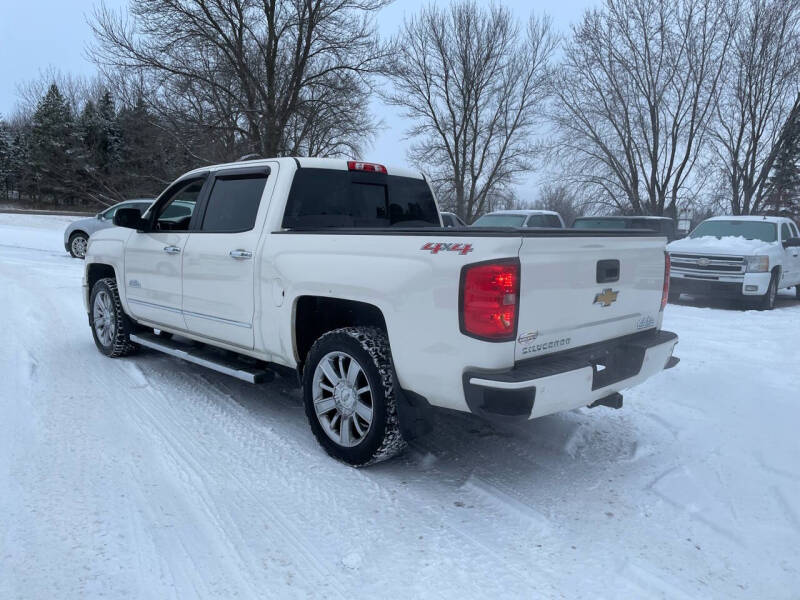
(543, 221)
(332, 198)
(233, 203)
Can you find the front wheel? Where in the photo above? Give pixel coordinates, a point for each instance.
(111, 327)
(767, 301)
(349, 396)
(78, 242)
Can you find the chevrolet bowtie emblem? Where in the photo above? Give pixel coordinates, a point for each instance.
(606, 298)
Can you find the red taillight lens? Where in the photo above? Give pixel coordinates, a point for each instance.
(665, 292)
(490, 300)
(355, 165)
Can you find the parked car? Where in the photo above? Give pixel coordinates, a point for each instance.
(520, 218)
(77, 234)
(747, 258)
(452, 220)
(339, 271)
(663, 225)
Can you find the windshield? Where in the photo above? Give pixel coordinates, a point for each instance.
(599, 224)
(500, 221)
(750, 230)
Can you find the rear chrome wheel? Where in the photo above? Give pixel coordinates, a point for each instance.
(350, 396)
(342, 398)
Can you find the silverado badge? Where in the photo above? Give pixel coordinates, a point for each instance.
(606, 298)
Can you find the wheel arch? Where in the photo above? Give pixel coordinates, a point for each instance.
(94, 273)
(316, 315)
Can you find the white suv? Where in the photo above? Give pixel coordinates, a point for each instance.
(749, 257)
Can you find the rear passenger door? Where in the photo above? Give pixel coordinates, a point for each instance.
(220, 256)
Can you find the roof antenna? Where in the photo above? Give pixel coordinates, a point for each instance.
(253, 156)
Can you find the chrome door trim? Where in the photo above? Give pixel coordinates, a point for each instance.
(188, 313)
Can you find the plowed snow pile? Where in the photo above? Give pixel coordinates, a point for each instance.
(150, 478)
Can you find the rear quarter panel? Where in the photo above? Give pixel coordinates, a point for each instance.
(416, 290)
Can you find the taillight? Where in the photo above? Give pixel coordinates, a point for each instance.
(489, 302)
(355, 165)
(665, 291)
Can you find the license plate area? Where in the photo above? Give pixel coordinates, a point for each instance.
(616, 364)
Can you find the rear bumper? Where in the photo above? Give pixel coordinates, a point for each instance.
(570, 379)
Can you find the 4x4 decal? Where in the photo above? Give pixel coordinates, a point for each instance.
(436, 247)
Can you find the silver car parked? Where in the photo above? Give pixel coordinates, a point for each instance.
(76, 236)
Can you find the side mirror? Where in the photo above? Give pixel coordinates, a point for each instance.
(130, 218)
(792, 243)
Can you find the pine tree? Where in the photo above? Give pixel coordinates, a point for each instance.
(784, 183)
(54, 149)
(5, 160)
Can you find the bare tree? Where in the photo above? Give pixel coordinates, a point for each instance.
(760, 90)
(635, 96)
(563, 200)
(472, 84)
(283, 76)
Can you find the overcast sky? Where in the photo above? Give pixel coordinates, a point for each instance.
(37, 34)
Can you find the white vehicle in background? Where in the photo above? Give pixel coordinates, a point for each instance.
(451, 220)
(340, 272)
(748, 258)
(520, 218)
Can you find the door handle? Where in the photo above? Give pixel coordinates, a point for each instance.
(241, 254)
(172, 250)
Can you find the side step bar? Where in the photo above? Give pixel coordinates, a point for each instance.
(205, 357)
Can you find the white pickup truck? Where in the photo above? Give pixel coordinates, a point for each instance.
(340, 271)
(748, 258)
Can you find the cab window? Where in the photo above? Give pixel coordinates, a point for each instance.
(786, 233)
(233, 203)
(176, 213)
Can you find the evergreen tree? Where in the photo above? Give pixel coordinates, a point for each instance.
(54, 149)
(5, 160)
(784, 182)
(147, 159)
(101, 136)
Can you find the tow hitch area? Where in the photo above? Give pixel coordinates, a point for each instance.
(612, 401)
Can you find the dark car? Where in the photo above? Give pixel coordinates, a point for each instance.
(663, 225)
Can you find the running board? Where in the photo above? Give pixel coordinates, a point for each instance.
(205, 357)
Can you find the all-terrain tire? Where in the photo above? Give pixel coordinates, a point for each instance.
(370, 347)
(78, 242)
(118, 342)
(767, 301)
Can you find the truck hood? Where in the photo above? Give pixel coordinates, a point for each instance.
(729, 246)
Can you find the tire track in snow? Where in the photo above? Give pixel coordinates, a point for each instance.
(202, 479)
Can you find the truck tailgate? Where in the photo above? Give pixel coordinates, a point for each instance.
(576, 291)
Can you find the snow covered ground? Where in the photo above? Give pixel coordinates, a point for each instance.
(147, 477)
